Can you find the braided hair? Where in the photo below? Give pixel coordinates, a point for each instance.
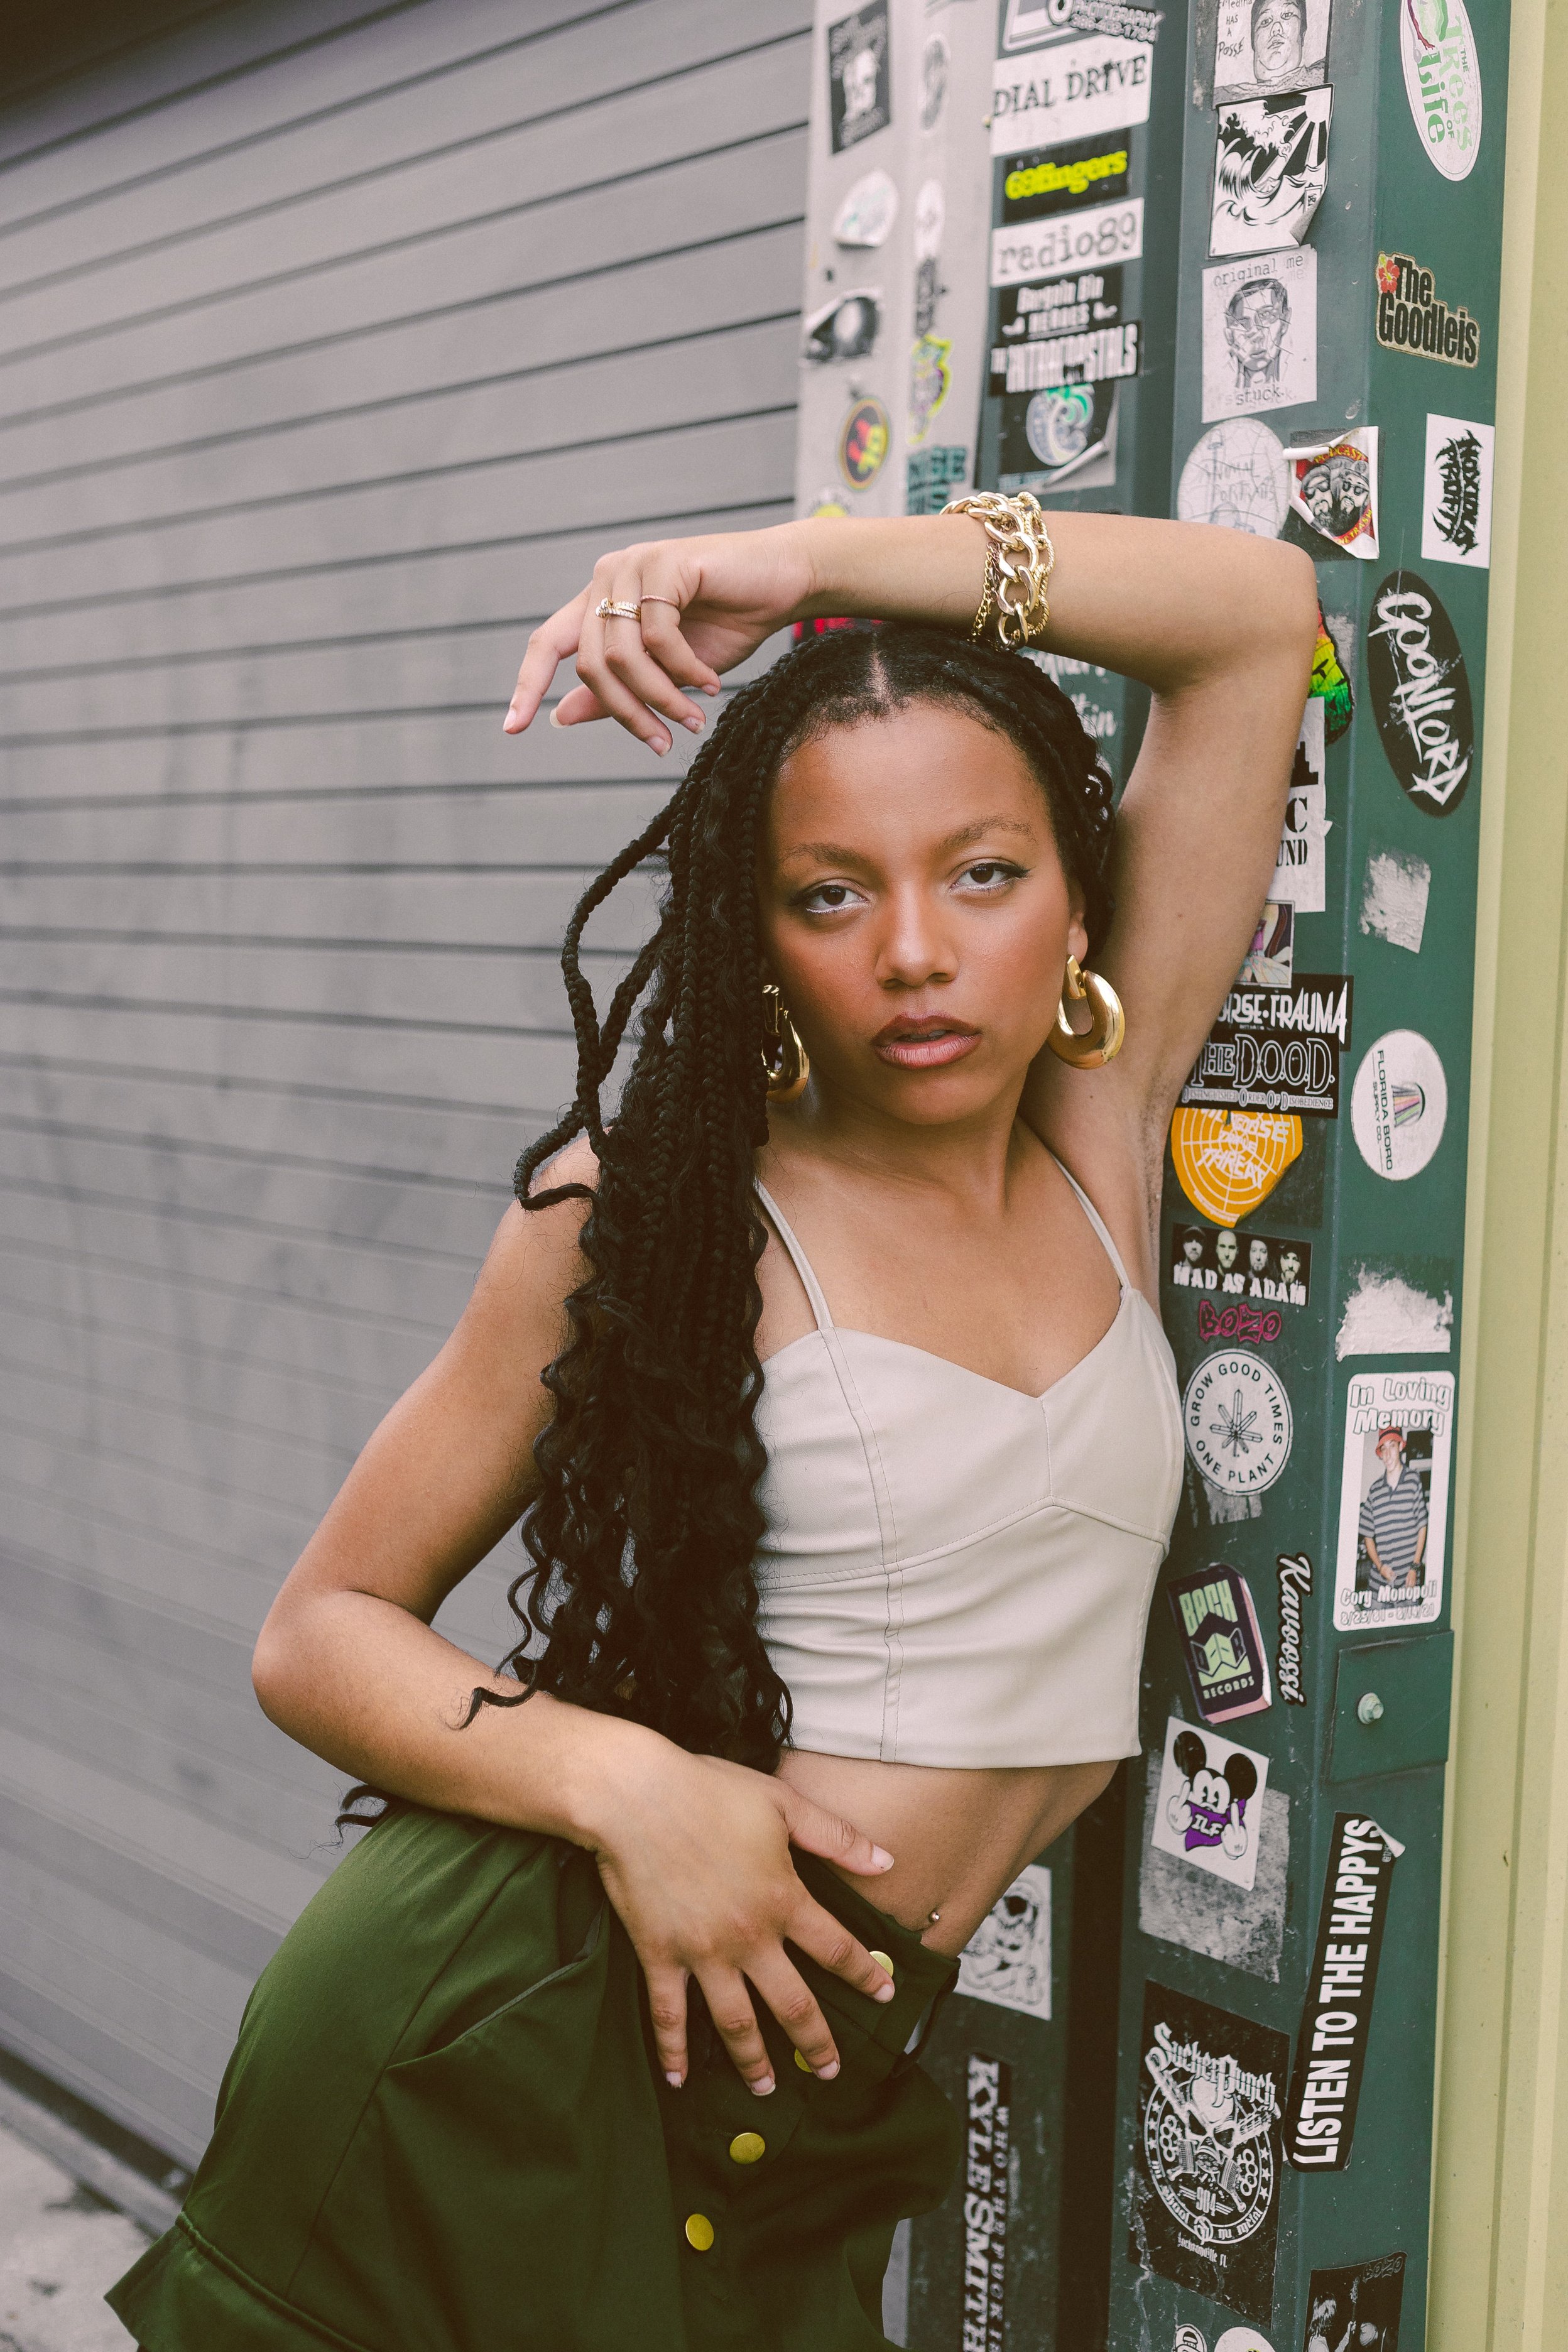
(639, 1600)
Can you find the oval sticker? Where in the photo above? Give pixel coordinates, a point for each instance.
(1238, 1420)
(1399, 1105)
(1420, 693)
(863, 443)
(1442, 82)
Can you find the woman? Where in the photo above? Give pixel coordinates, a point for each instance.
(835, 1407)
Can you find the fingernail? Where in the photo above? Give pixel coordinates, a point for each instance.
(555, 718)
(696, 722)
(883, 1992)
(826, 2074)
(712, 689)
(762, 2085)
(881, 1857)
(675, 2081)
(654, 744)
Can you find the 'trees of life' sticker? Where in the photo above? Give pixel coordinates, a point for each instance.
(1442, 82)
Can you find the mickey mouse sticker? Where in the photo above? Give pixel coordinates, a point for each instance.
(1210, 1806)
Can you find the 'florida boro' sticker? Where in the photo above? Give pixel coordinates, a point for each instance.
(1270, 165)
(1399, 1105)
(1300, 862)
(1410, 318)
(1070, 92)
(1442, 82)
(1205, 2203)
(1456, 500)
(860, 81)
(1263, 1271)
(1265, 47)
(1333, 488)
(1008, 1958)
(985, 2172)
(1217, 1626)
(1420, 693)
(1295, 1586)
(1260, 333)
(1210, 1804)
(1356, 2306)
(1276, 1048)
(1331, 2049)
(1227, 1162)
(1236, 1416)
(1235, 477)
(1394, 1500)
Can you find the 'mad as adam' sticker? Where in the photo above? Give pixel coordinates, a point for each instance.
(1420, 693)
(1394, 1500)
(1357, 2308)
(1330, 2050)
(1246, 1282)
(1217, 1627)
(985, 2178)
(1277, 1049)
(1210, 1804)
(1206, 2197)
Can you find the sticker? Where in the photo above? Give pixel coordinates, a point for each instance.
(988, 2139)
(1394, 1499)
(1456, 501)
(1420, 693)
(1355, 2307)
(1260, 333)
(863, 443)
(930, 379)
(1330, 684)
(1008, 1958)
(1029, 21)
(1295, 1572)
(1242, 2339)
(1066, 430)
(1333, 488)
(1235, 477)
(868, 211)
(1206, 2207)
(859, 83)
(1265, 47)
(930, 219)
(1244, 1926)
(1251, 1268)
(1188, 2338)
(1300, 862)
(1271, 959)
(936, 62)
(1386, 1315)
(1331, 2049)
(1411, 319)
(1210, 1803)
(845, 329)
(1220, 1639)
(1399, 1105)
(1227, 1162)
(1070, 91)
(1066, 178)
(1276, 1048)
(827, 505)
(1442, 82)
(1101, 234)
(1270, 167)
(1069, 330)
(1394, 898)
(932, 477)
(1116, 16)
(1236, 1416)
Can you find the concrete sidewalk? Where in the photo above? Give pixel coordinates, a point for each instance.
(59, 2247)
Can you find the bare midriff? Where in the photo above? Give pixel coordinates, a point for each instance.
(958, 1838)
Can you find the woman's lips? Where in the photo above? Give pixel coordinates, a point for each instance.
(925, 1046)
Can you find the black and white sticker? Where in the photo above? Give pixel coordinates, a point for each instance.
(1330, 2050)
(986, 2143)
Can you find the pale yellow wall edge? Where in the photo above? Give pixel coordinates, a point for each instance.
(1499, 2233)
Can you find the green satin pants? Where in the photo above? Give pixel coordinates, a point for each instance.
(444, 2129)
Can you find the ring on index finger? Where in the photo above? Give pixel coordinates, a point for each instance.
(616, 608)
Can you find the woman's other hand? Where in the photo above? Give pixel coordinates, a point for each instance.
(704, 604)
(694, 1854)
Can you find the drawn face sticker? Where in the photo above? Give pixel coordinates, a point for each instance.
(1007, 1930)
(1318, 491)
(1255, 319)
(1258, 1256)
(1279, 38)
(1225, 1250)
(1192, 1249)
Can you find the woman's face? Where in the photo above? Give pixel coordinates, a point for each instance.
(915, 912)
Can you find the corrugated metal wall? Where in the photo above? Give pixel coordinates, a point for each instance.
(333, 342)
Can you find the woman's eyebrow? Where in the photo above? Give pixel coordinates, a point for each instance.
(836, 853)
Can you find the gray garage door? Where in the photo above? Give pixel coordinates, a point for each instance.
(333, 342)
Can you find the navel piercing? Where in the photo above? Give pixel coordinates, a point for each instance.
(931, 1918)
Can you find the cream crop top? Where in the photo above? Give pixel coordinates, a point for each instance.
(955, 1573)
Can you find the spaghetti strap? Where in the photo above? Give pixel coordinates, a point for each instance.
(1097, 1222)
(798, 1258)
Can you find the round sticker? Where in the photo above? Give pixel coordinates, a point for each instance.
(1237, 475)
(1228, 1162)
(1190, 2339)
(1059, 423)
(1236, 1416)
(1243, 2339)
(868, 211)
(863, 443)
(1442, 82)
(1399, 1105)
(934, 63)
(930, 218)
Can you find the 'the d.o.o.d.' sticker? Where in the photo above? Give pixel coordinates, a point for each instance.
(1399, 1105)
(1420, 693)
(1236, 1417)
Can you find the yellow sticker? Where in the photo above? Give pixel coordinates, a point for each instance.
(1228, 1162)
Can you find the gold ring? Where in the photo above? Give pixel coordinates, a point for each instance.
(651, 599)
(611, 608)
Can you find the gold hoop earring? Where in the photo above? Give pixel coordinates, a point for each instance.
(786, 1065)
(1100, 1045)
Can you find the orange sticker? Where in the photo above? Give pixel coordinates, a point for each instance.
(1227, 1162)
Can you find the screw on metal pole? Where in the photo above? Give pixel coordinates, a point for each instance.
(1369, 1707)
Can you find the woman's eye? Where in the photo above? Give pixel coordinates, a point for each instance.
(991, 874)
(829, 897)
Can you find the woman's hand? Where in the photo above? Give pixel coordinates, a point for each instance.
(695, 1857)
(726, 594)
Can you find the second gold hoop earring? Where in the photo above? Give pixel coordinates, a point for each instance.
(1103, 1041)
(785, 1062)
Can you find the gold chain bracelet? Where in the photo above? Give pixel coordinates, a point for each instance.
(1019, 560)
